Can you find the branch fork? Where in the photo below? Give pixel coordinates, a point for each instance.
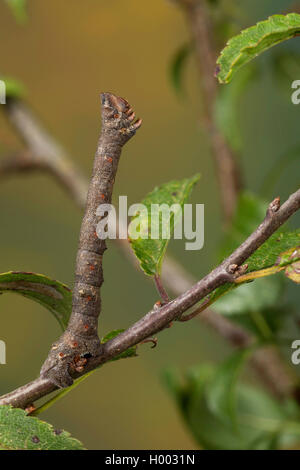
(79, 350)
(157, 319)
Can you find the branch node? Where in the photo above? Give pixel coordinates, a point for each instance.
(232, 268)
(242, 270)
(235, 270)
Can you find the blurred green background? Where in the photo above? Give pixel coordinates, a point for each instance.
(66, 54)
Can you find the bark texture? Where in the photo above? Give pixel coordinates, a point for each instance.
(158, 319)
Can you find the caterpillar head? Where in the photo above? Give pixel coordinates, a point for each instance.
(118, 116)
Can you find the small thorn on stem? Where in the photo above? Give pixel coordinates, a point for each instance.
(154, 342)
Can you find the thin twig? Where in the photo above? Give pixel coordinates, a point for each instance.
(20, 162)
(80, 340)
(160, 289)
(227, 168)
(158, 319)
(44, 153)
(195, 312)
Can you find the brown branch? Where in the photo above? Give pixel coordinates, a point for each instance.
(80, 340)
(158, 319)
(44, 153)
(227, 169)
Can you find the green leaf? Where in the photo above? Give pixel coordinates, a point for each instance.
(172, 382)
(130, 352)
(291, 259)
(288, 259)
(221, 391)
(276, 172)
(53, 295)
(263, 296)
(21, 432)
(249, 298)
(150, 251)
(111, 335)
(250, 212)
(18, 8)
(259, 418)
(253, 41)
(252, 297)
(61, 394)
(285, 67)
(267, 255)
(226, 108)
(177, 67)
(268, 291)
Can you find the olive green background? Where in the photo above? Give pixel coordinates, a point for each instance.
(67, 53)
